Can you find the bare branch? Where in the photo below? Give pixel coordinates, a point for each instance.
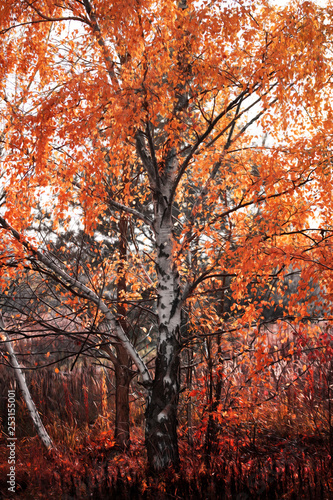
(113, 324)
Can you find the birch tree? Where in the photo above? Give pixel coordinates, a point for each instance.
(162, 98)
(19, 376)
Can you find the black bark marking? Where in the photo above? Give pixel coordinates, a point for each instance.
(175, 302)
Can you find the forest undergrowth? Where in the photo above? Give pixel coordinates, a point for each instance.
(276, 467)
(275, 454)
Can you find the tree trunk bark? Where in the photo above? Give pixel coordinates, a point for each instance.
(211, 443)
(189, 376)
(123, 380)
(122, 372)
(19, 375)
(161, 413)
(163, 392)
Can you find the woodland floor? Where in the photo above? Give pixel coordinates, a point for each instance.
(274, 468)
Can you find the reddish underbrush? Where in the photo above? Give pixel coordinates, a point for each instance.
(93, 468)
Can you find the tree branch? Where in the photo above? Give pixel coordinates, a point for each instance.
(113, 324)
(110, 64)
(132, 211)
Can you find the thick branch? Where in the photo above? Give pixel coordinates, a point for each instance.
(146, 159)
(110, 64)
(132, 211)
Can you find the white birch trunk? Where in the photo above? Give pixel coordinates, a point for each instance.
(19, 375)
(161, 414)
